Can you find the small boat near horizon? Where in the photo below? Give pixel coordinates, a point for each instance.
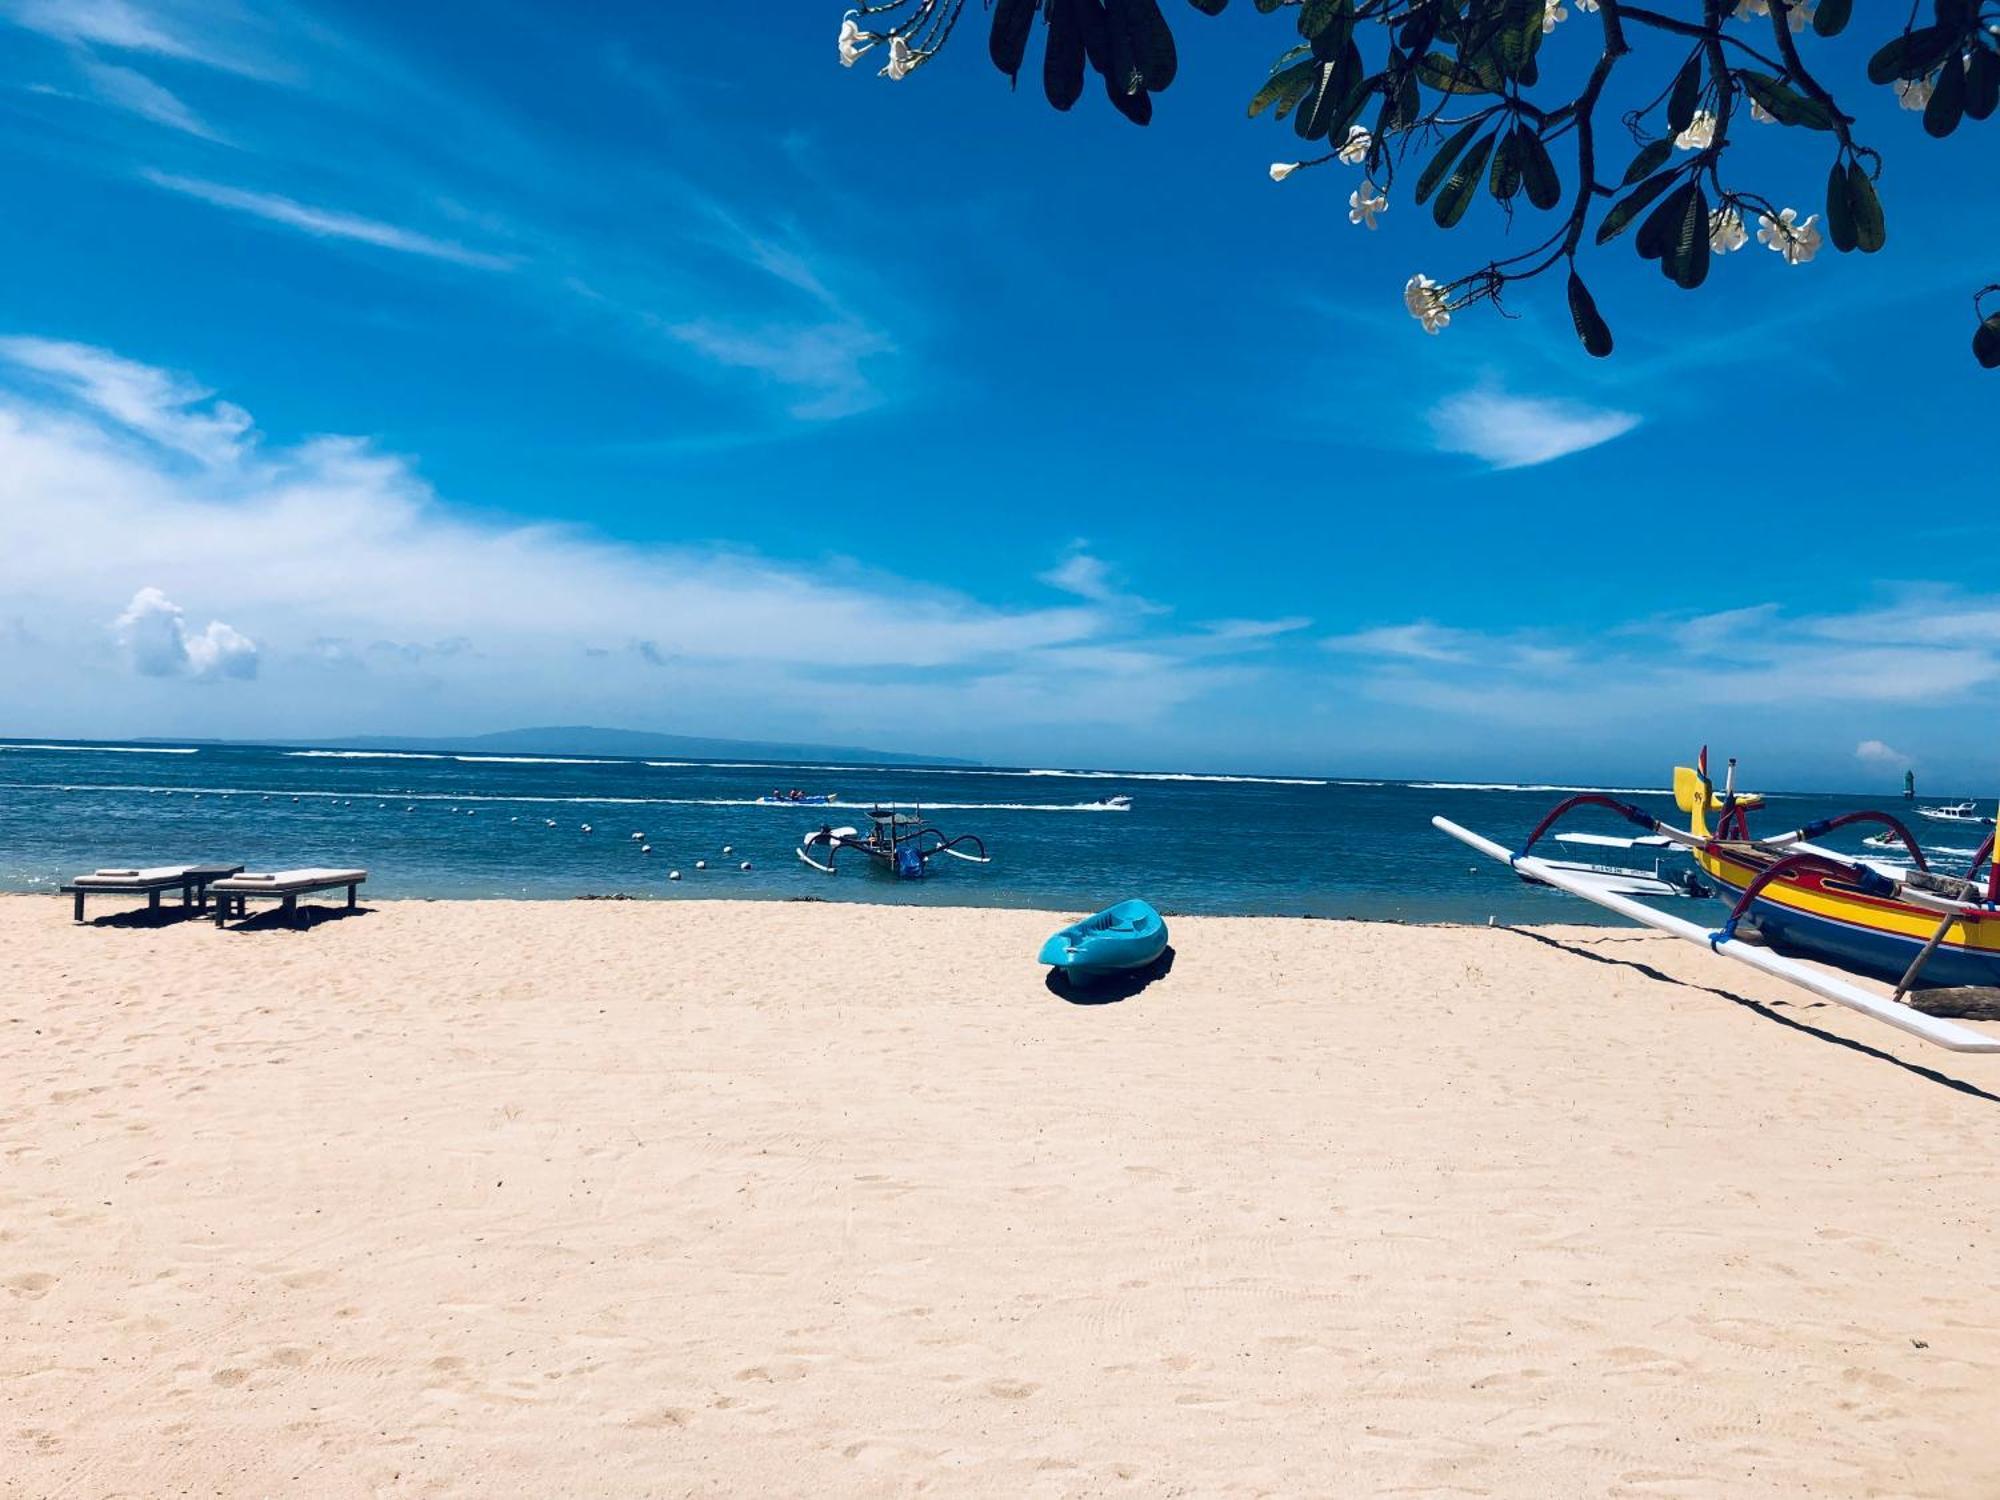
(898, 839)
(800, 799)
(1956, 812)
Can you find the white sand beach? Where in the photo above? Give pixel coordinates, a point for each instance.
(651, 1199)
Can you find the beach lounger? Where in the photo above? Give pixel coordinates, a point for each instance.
(232, 896)
(192, 881)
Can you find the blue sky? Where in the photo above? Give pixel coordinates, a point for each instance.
(378, 368)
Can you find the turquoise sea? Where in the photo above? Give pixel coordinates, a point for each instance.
(430, 825)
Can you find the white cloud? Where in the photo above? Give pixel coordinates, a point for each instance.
(1876, 753)
(184, 30)
(1088, 576)
(825, 363)
(327, 223)
(1418, 641)
(157, 642)
(1514, 432)
(127, 89)
(350, 566)
(159, 406)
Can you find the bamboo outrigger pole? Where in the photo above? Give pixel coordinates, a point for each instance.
(1933, 1029)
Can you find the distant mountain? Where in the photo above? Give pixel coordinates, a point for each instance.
(585, 739)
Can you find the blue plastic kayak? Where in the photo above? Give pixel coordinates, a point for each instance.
(1129, 935)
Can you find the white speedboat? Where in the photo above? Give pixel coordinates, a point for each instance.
(1956, 812)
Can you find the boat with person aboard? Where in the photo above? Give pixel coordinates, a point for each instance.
(898, 839)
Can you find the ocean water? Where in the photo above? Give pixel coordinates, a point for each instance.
(463, 825)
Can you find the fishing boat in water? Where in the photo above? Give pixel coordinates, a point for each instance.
(1956, 812)
(801, 799)
(1919, 928)
(898, 839)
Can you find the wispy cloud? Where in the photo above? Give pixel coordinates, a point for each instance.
(268, 538)
(132, 91)
(327, 223)
(1421, 640)
(1514, 432)
(823, 365)
(177, 29)
(1879, 754)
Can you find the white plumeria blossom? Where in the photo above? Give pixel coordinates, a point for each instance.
(1726, 231)
(1553, 13)
(854, 41)
(1354, 151)
(1800, 13)
(1365, 202)
(1700, 132)
(1798, 241)
(1915, 93)
(1588, 7)
(903, 59)
(1426, 301)
(1280, 170)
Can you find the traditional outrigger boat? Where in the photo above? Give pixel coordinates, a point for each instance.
(1915, 927)
(897, 838)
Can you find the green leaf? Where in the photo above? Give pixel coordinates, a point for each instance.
(1986, 343)
(1663, 224)
(1686, 260)
(1947, 106)
(1210, 7)
(1062, 55)
(1505, 179)
(1538, 173)
(1590, 324)
(1685, 96)
(1316, 15)
(1831, 17)
(1871, 233)
(1628, 208)
(1440, 164)
(1327, 106)
(1911, 55)
(1267, 6)
(1283, 88)
(1982, 83)
(1519, 37)
(1007, 43)
(1456, 195)
(1448, 75)
(1649, 161)
(1840, 231)
(1152, 41)
(1786, 105)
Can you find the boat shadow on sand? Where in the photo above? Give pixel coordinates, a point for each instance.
(1770, 1010)
(1112, 988)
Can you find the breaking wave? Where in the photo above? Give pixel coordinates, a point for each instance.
(1106, 805)
(113, 749)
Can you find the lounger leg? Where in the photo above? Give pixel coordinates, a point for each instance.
(350, 898)
(291, 909)
(153, 900)
(79, 906)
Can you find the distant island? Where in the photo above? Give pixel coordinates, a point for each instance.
(586, 739)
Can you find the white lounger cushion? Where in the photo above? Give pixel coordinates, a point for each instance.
(155, 872)
(313, 875)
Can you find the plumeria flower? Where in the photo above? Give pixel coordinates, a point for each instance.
(854, 41)
(1914, 93)
(1797, 242)
(1426, 301)
(1280, 170)
(1796, 17)
(903, 59)
(1365, 202)
(1553, 13)
(1588, 7)
(1726, 231)
(1355, 150)
(1700, 132)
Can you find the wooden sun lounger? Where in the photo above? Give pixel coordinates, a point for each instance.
(192, 881)
(232, 896)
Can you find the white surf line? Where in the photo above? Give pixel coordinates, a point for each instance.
(1512, 786)
(379, 795)
(793, 765)
(112, 749)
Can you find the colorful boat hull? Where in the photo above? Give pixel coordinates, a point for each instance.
(1823, 913)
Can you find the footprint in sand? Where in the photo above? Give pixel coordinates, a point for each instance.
(230, 1375)
(30, 1284)
(1011, 1390)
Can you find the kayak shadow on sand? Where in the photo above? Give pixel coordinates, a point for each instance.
(1113, 987)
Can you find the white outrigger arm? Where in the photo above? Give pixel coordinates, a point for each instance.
(1933, 1029)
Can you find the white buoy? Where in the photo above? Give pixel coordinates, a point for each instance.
(550, 821)
(673, 874)
(701, 864)
(745, 865)
(728, 849)
(645, 848)
(638, 835)
(586, 828)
